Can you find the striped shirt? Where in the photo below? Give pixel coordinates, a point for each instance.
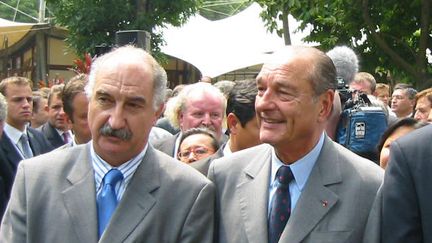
(127, 169)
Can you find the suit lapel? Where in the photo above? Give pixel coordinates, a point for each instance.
(317, 199)
(35, 146)
(10, 151)
(253, 195)
(80, 197)
(137, 200)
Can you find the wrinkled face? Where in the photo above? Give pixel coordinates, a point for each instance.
(57, 116)
(203, 110)
(80, 125)
(195, 147)
(20, 104)
(383, 95)
(290, 115)
(247, 136)
(400, 104)
(121, 111)
(385, 151)
(422, 109)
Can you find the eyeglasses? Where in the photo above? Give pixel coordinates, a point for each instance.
(197, 151)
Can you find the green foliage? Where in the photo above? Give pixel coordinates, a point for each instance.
(30, 7)
(386, 34)
(94, 22)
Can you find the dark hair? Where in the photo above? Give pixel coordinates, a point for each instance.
(404, 122)
(201, 130)
(75, 86)
(241, 100)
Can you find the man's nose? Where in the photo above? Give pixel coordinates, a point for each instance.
(117, 119)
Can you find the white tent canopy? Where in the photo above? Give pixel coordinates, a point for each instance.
(219, 47)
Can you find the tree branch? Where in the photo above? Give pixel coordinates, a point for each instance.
(382, 44)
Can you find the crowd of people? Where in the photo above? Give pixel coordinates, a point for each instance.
(115, 156)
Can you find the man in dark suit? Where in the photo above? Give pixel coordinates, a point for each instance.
(299, 186)
(242, 124)
(406, 191)
(6, 171)
(18, 94)
(117, 187)
(56, 129)
(197, 105)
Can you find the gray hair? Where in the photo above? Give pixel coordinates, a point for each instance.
(3, 108)
(321, 72)
(159, 74)
(177, 104)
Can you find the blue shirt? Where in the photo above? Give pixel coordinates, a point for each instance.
(127, 169)
(301, 170)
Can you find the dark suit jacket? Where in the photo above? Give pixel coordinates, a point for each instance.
(6, 179)
(52, 135)
(38, 144)
(333, 206)
(10, 157)
(54, 200)
(407, 189)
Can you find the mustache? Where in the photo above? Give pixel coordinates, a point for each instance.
(210, 127)
(123, 134)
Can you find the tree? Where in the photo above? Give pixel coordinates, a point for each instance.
(27, 10)
(390, 36)
(94, 22)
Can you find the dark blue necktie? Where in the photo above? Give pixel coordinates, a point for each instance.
(107, 198)
(280, 209)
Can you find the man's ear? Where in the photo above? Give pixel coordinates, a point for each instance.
(46, 108)
(326, 99)
(232, 122)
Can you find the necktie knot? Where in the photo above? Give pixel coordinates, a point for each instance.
(284, 175)
(112, 177)
(65, 136)
(24, 138)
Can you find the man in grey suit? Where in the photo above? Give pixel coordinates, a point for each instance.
(241, 120)
(299, 186)
(197, 105)
(406, 191)
(116, 188)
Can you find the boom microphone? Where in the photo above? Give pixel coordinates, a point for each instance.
(346, 63)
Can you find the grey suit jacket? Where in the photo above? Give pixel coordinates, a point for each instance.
(167, 145)
(203, 165)
(54, 200)
(407, 189)
(333, 207)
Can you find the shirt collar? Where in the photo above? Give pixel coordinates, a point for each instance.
(13, 133)
(301, 168)
(227, 150)
(101, 167)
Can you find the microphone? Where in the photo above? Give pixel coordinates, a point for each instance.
(346, 63)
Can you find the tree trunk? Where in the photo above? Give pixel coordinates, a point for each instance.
(286, 30)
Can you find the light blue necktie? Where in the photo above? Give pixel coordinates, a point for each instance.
(107, 198)
(25, 147)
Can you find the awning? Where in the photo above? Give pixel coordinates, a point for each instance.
(219, 47)
(11, 32)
